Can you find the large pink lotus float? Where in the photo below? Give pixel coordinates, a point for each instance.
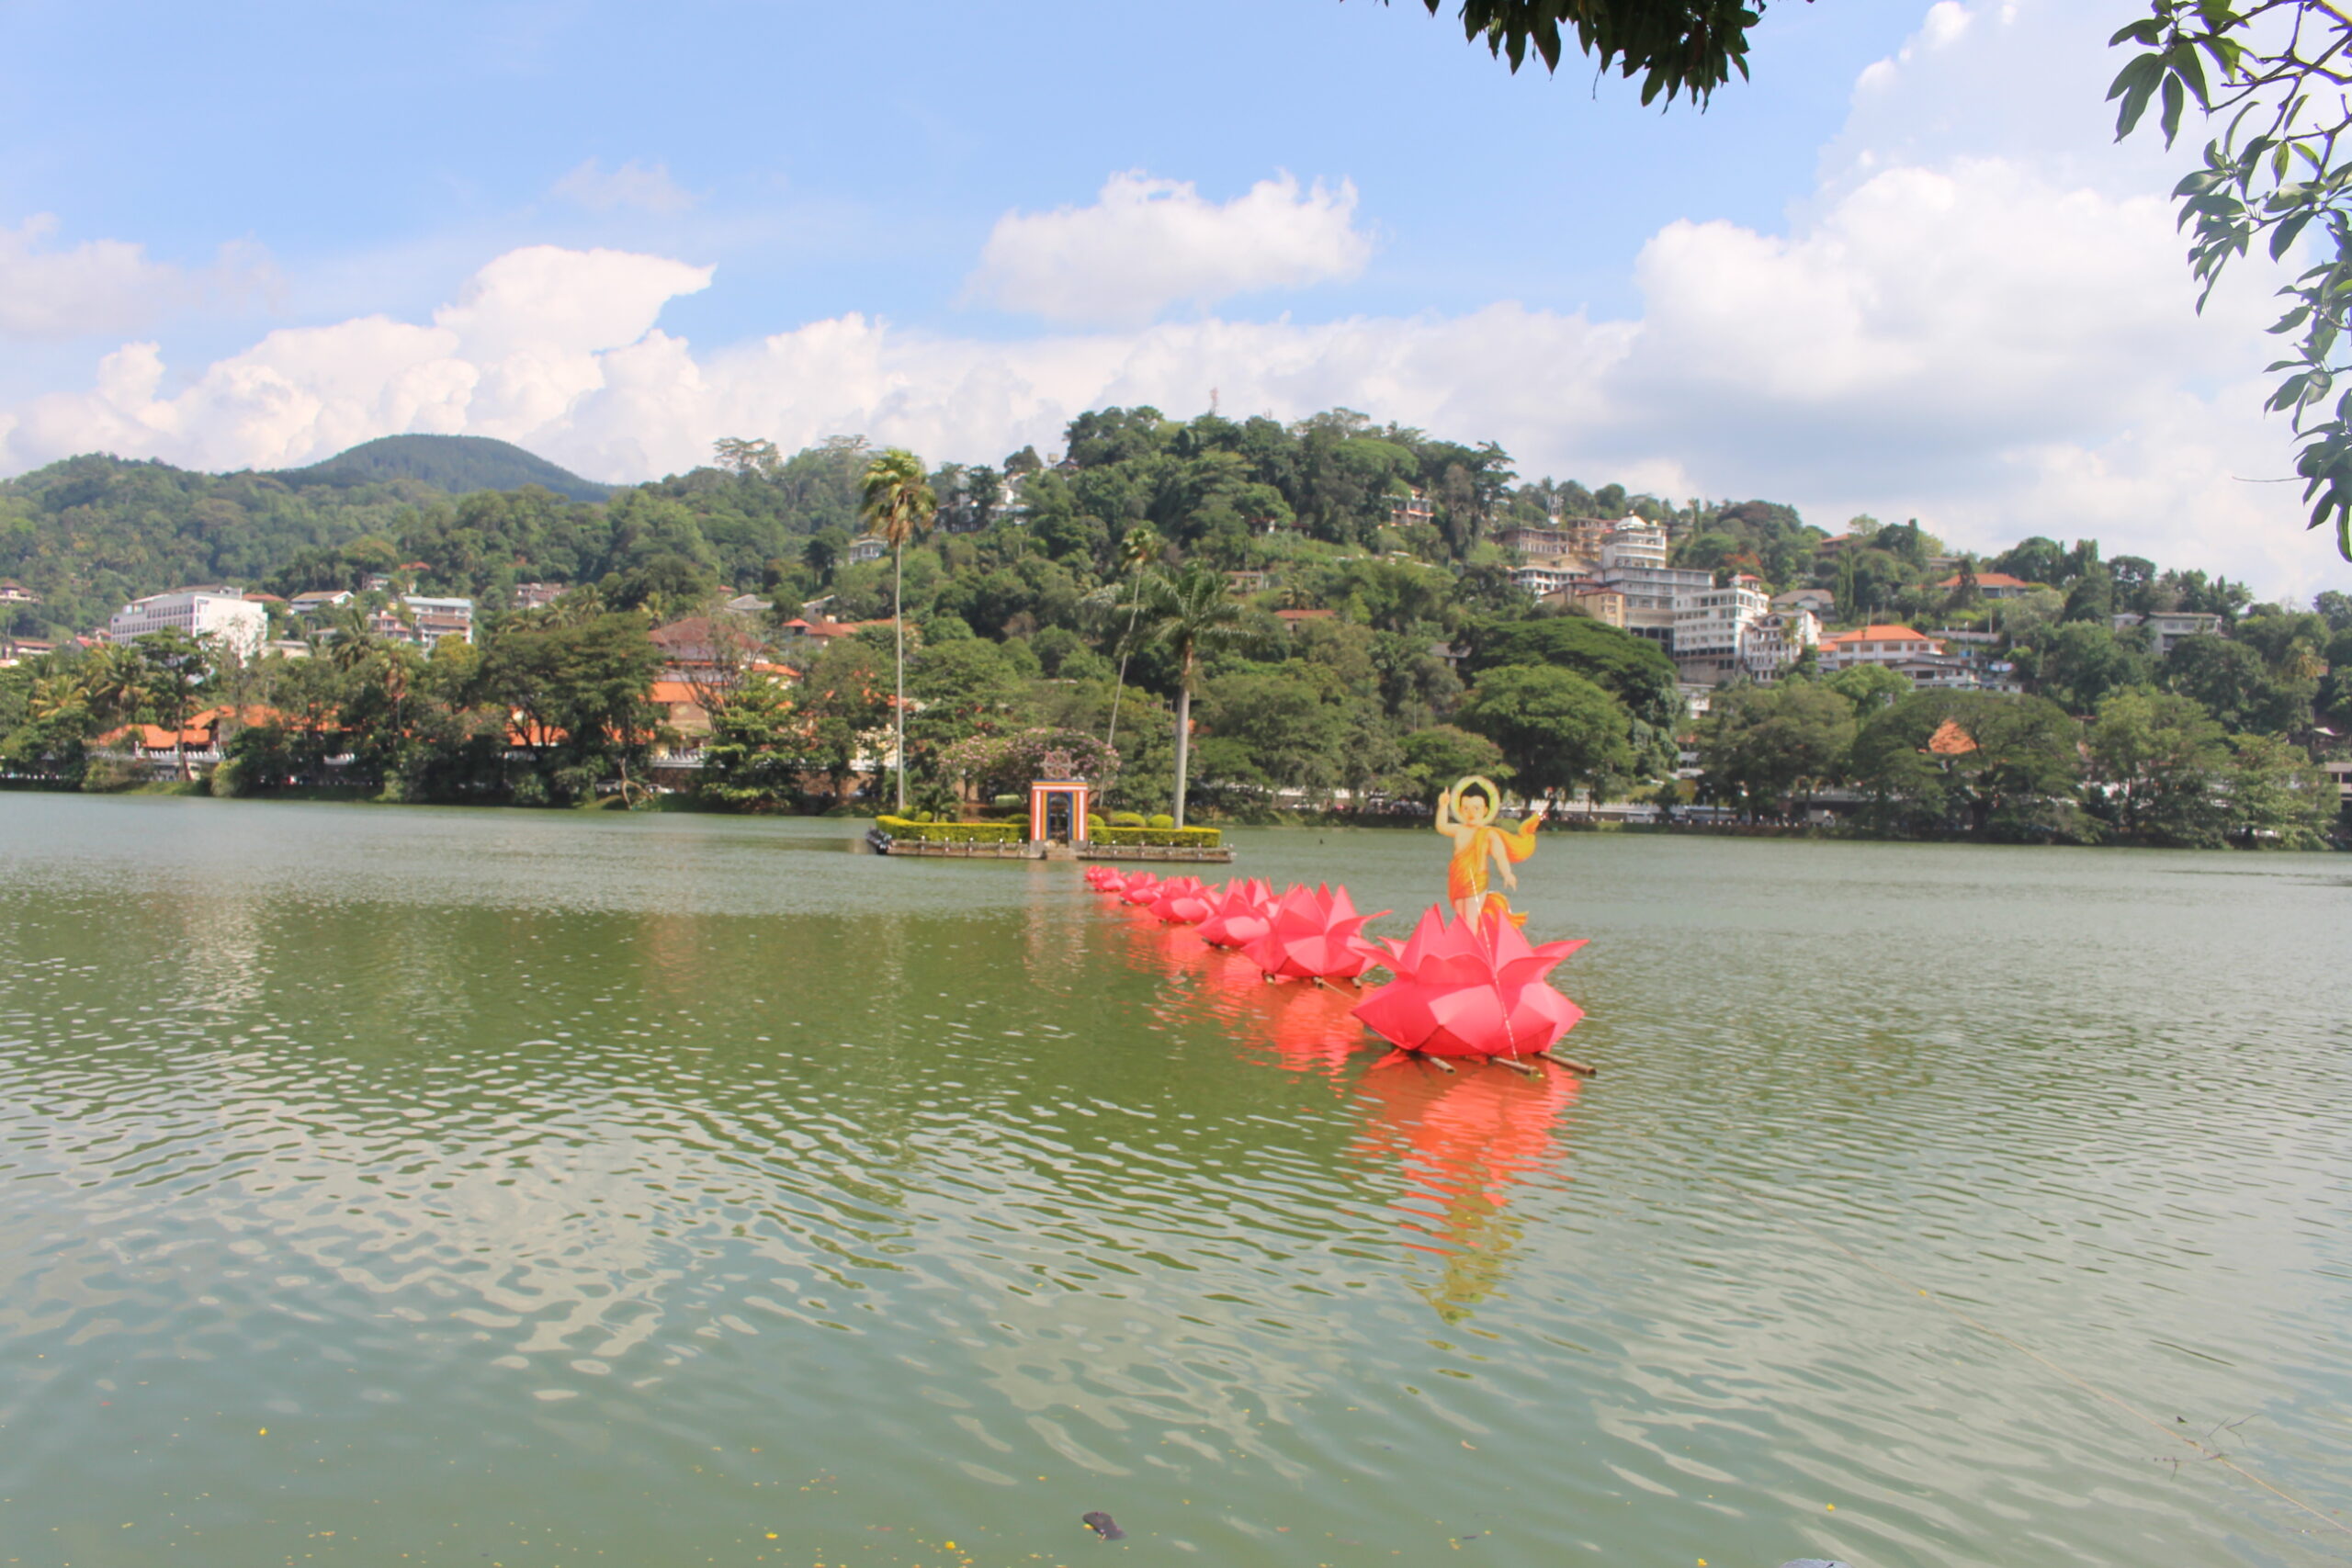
(1181, 900)
(1140, 886)
(1471, 988)
(1313, 935)
(1106, 879)
(1239, 914)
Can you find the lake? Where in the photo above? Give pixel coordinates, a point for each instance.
(408, 1186)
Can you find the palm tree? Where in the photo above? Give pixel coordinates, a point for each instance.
(899, 506)
(1137, 550)
(115, 684)
(1191, 615)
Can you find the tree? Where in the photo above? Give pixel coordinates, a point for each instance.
(1869, 688)
(582, 691)
(897, 505)
(1980, 762)
(1759, 744)
(2275, 798)
(1556, 729)
(2277, 70)
(751, 760)
(846, 706)
(175, 666)
(1139, 550)
(1189, 615)
(2078, 663)
(2157, 763)
(1437, 757)
(1633, 670)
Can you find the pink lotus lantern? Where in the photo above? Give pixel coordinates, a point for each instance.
(1140, 888)
(1106, 879)
(1313, 936)
(1181, 900)
(1237, 915)
(1470, 988)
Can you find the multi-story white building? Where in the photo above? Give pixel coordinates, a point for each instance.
(1876, 645)
(1553, 577)
(222, 613)
(1551, 544)
(1777, 639)
(433, 619)
(1710, 629)
(1651, 594)
(1634, 544)
(2168, 627)
(1413, 506)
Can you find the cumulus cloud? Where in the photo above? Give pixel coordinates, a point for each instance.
(1146, 244)
(645, 187)
(1992, 342)
(102, 286)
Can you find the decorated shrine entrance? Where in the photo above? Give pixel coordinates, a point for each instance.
(1057, 811)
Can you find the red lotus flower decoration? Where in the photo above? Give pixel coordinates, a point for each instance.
(1181, 900)
(1106, 879)
(1237, 914)
(1140, 886)
(1313, 936)
(1470, 988)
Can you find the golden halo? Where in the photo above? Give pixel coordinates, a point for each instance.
(1494, 795)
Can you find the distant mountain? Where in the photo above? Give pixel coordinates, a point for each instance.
(459, 464)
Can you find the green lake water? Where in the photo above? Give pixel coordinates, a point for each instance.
(417, 1187)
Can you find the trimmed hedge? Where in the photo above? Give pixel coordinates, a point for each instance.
(1164, 838)
(954, 832)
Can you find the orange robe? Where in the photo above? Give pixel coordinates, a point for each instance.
(1466, 872)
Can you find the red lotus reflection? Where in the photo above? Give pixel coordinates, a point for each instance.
(1309, 1028)
(1464, 1142)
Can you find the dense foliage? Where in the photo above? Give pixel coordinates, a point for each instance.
(1335, 645)
(457, 464)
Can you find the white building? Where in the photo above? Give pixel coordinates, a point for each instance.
(1776, 640)
(1550, 578)
(1710, 629)
(866, 548)
(433, 619)
(222, 613)
(1634, 543)
(2168, 627)
(1876, 645)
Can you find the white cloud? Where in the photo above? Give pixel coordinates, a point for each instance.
(1146, 244)
(646, 186)
(102, 286)
(1997, 342)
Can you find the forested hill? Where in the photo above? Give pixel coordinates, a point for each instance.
(457, 464)
(1319, 506)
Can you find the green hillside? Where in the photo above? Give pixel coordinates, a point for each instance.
(457, 464)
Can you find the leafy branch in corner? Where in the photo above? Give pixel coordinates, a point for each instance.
(2280, 71)
(1677, 47)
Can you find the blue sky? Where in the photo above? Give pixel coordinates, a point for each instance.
(1903, 270)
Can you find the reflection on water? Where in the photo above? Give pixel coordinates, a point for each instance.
(691, 1190)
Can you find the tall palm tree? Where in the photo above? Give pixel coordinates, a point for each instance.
(1191, 615)
(899, 506)
(1138, 551)
(115, 684)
